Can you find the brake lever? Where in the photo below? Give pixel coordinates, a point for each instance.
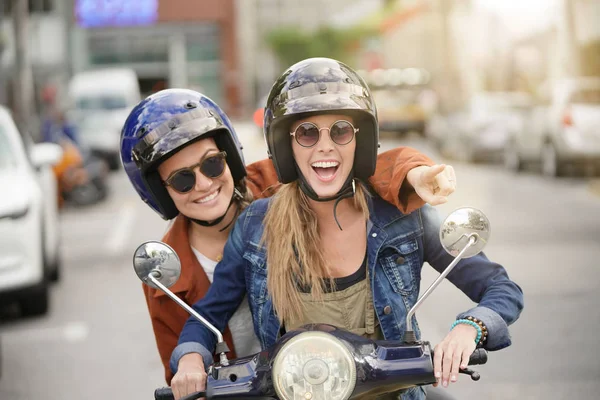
(474, 374)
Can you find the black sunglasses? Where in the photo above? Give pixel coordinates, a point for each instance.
(308, 134)
(184, 179)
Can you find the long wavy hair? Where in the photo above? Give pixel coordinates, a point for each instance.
(295, 255)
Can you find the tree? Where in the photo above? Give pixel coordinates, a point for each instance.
(291, 45)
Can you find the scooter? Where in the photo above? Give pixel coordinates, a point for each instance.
(82, 177)
(320, 361)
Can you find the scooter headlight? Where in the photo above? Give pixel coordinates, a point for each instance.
(314, 365)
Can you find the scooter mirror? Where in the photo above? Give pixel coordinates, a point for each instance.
(158, 259)
(461, 225)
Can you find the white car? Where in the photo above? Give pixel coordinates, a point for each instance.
(479, 130)
(563, 132)
(101, 101)
(29, 230)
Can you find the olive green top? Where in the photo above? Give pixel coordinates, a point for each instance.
(350, 309)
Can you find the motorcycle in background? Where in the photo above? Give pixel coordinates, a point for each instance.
(320, 361)
(81, 176)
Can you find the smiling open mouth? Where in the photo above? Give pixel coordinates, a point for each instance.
(326, 170)
(208, 198)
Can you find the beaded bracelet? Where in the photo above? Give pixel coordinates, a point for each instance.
(484, 331)
(469, 322)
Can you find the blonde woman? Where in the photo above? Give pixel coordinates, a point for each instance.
(184, 159)
(325, 249)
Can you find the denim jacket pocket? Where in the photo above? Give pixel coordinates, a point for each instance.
(257, 275)
(400, 262)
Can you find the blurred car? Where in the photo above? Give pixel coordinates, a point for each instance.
(562, 132)
(478, 132)
(99, 134)
(101, 101)
(399, 109)
(29, 230)
(439, 131)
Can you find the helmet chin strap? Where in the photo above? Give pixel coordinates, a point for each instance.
(347, 190)
(236, 196)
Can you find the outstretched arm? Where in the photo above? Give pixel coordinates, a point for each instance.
(403, 176)
(408, 179)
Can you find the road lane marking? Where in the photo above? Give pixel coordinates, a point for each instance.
(117, 238)
(72, 332)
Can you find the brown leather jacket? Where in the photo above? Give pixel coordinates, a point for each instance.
(168, 318)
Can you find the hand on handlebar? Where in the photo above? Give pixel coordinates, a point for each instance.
(190, 376)
(453, 353)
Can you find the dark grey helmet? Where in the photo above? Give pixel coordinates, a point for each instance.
(320, 85)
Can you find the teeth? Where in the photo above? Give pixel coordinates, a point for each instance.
(325, 164)
(208, 198)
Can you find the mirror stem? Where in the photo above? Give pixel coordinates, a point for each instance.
(221, 345)
(409, 334)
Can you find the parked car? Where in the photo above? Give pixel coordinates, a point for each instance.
(99, 136)
(563, 132)
(103, 98)
(399, 109)
(478, 131)
(439, 130)
(29, 224)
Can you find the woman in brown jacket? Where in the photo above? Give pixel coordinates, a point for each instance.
(182, 156)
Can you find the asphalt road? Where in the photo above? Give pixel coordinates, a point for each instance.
(97, 342)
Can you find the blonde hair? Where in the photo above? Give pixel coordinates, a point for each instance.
(294, 252)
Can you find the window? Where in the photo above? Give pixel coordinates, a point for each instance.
(203, 46)
(132, 49)
(205, 78)
(101, 103)
(35, 6)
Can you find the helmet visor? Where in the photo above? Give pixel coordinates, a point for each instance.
(322, 96)
(174, 134)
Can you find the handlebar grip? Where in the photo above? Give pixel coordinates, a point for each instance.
(478, 357)
(164, 393)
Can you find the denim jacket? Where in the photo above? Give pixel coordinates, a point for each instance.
(397, 247)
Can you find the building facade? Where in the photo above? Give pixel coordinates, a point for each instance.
(46, 42)
(169, 43)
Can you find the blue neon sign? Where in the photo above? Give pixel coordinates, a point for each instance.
(104, 13)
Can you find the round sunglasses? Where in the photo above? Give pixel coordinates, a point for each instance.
(308, 134)
(183, 180)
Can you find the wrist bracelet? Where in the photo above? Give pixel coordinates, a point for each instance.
(484, 331)
(469, 322)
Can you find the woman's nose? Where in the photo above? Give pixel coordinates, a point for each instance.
(202, 181)
(325, 144)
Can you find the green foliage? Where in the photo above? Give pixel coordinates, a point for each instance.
(291, 45)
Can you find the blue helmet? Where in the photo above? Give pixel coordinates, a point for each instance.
(163, 124)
